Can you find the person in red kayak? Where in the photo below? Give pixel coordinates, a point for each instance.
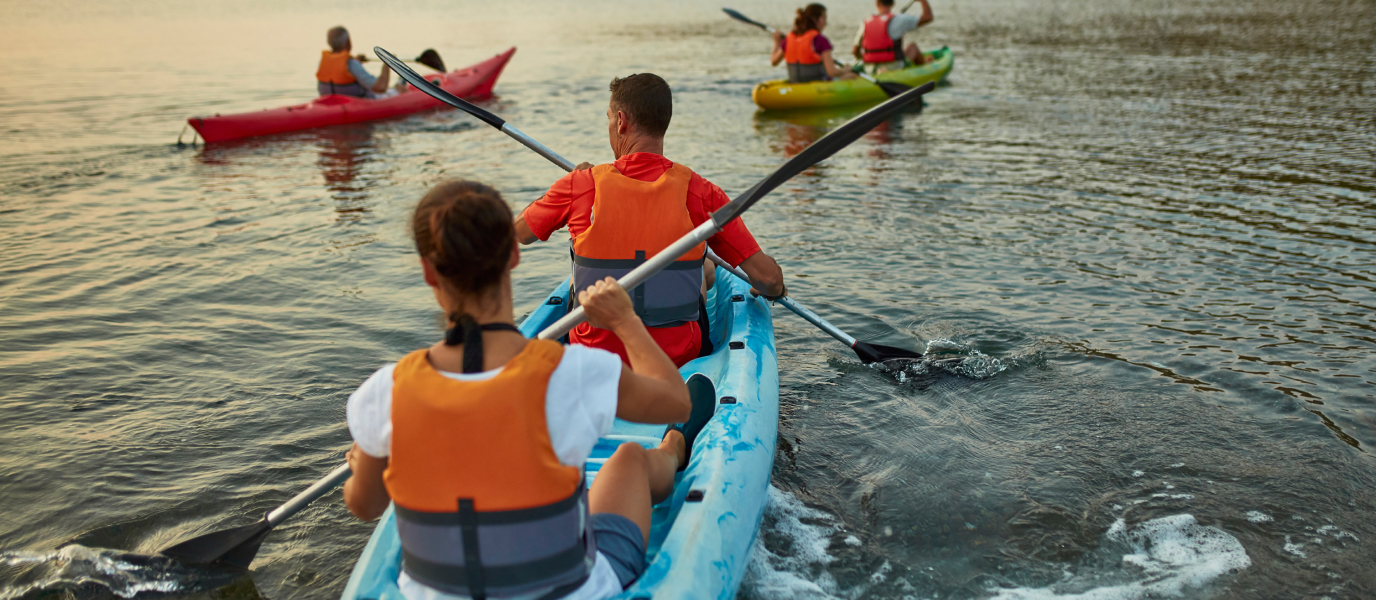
(484, 435)
(805, 50)
(879, 43)
(340, 73)
(622, 213)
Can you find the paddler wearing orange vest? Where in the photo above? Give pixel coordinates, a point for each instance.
(340, 73)
(805, 50)
(622, 213)
(479, 441)
(879, 43)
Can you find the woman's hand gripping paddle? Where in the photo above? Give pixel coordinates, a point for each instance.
(868, 353)
(889, 87)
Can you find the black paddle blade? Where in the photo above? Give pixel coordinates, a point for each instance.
(435, 91)
(230, 547)
(431, 59)
(819, 151)
(872, 353)
(744, 19)
(891, 88)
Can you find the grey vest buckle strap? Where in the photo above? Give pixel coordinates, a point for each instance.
(472, 564)
(639, 300)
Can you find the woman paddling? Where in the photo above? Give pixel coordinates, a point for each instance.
(480, 439)
(806, 51)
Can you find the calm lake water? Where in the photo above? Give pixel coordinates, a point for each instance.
(1151, 224)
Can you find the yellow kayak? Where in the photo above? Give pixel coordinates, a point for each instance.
(782, 95)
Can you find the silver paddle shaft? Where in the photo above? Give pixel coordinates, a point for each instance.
(539, 148)
(788, 303)
(638, 276)
(313, 493)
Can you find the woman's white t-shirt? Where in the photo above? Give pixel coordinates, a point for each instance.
(580, 406)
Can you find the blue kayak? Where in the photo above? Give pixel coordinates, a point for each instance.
(702, 535)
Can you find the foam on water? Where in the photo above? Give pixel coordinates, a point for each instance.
(1161, 557)
(71, 566)
(796, 568)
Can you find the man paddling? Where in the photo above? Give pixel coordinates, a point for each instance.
(879, 43)
(621, 213)
(340, 73)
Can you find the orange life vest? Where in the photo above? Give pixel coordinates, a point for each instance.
(877, 46)
(633, 220)
(473, 460)
(798, 49)
(334, 68)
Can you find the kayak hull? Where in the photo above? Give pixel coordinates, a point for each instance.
(782, 95)
(470, 83)
(698, 548)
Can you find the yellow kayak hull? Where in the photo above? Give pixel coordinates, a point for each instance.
(782, 95)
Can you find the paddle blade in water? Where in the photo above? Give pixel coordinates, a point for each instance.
(231, 547)
(872, 353)
(431, 59)
(891, 88)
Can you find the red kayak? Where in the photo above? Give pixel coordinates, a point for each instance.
(472, 83)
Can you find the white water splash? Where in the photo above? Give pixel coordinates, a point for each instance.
(75, 565)
(1164, 557)
(801, 573)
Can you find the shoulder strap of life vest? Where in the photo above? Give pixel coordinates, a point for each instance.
(633, 220)
(798, 49)
(483, 505)
(334, 68)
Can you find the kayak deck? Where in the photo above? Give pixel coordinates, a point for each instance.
(701, 537)
(782, 95)
(471, 83)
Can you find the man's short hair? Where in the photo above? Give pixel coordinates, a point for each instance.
(888, 3)
(646, 99)
(338, 38)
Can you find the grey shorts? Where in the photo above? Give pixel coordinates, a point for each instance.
(620, 540)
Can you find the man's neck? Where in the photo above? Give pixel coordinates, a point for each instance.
(886, 10)
(642, 144)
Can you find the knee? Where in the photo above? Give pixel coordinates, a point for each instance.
(631, 455)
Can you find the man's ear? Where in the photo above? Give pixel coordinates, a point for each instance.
(432, 278)
(623, 124)
(515, 257)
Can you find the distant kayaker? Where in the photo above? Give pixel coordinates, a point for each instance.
(621, 213)
(805, 50)
(340, 73)
(484, 435)
(879, 43)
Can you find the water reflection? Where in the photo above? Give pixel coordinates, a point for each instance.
(345, 154)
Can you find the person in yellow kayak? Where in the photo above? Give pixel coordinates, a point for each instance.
(340, 73)
(805, 50)
(484, 435)
(879, 43)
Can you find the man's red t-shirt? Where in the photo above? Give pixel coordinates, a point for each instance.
(569, 203)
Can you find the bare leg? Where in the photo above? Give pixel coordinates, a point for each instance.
(914, 55)
(635, 479)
